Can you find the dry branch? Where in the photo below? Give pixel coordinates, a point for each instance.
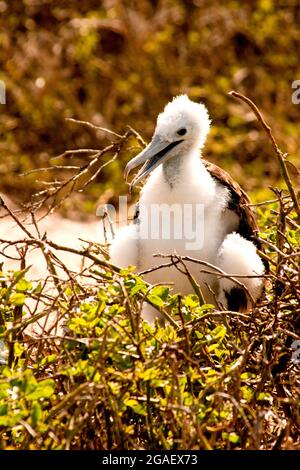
(280, 155)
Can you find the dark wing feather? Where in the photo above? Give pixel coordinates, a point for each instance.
(239, 203)
(136, 214)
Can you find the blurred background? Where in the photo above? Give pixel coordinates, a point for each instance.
(117, 63)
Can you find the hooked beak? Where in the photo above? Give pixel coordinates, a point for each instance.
(152, 156)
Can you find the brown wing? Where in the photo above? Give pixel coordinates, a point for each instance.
(239, 203)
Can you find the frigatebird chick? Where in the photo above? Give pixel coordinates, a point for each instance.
(191, 208)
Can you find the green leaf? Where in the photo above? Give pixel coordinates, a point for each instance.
(44, 389)
(38, 288)
(3, 409)
(161, 291)
(17, 299)
(23, 285)
(191, 301)
(36, 414)
(233, 437)
(139, 408)
(5, 421)
(155, 300)
(219, 332)
(48, 359)
(139, 287)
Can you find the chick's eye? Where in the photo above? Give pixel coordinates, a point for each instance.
(181, 131)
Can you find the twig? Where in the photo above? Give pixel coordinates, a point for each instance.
(209, 265)
(92, 126)
(280, 155)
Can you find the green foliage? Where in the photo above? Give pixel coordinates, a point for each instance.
(112, 381)
(114, 366)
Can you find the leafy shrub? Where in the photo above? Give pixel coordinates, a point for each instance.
(101, 378)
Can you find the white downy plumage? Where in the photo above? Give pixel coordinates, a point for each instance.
(181, 184)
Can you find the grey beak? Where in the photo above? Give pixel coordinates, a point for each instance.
(151, 156)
